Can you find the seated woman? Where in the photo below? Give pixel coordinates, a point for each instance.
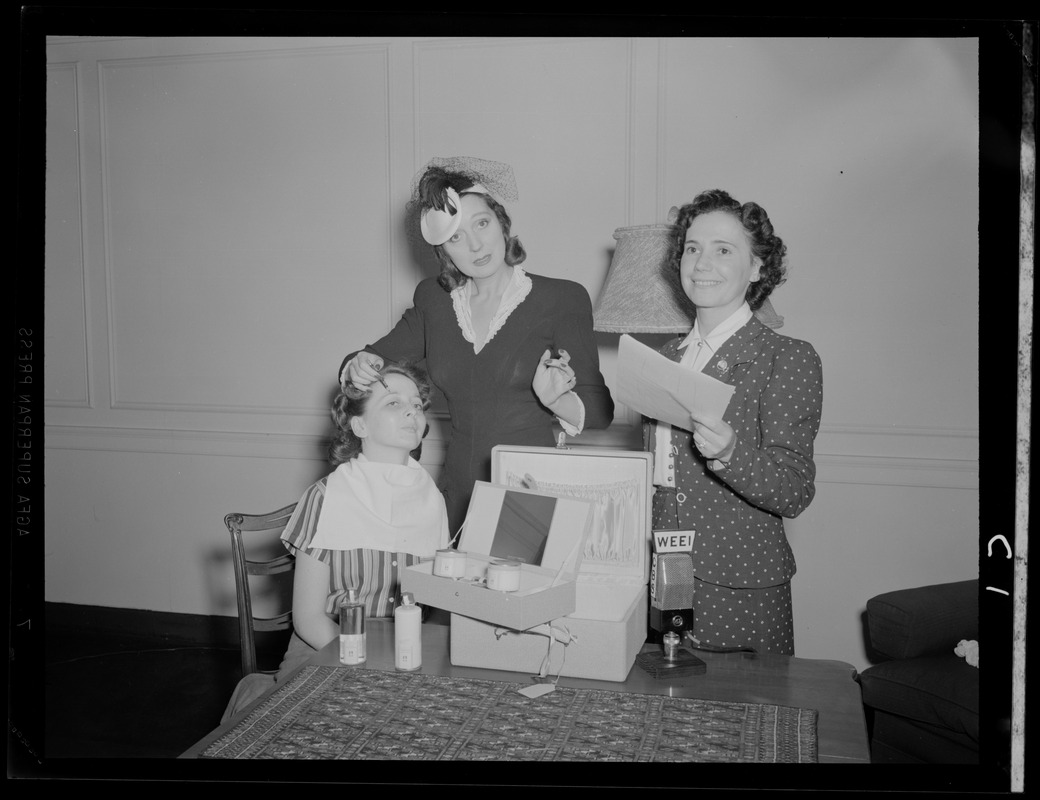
(375, 514)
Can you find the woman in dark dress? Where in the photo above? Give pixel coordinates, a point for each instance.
(510, 351)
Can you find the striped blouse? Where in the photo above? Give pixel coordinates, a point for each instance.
(373, 572)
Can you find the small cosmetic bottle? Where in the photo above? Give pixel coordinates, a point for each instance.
(352, 629)
(407, 634)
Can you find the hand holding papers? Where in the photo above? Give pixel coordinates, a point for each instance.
(661, 389)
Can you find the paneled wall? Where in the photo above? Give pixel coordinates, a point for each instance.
(226, 221)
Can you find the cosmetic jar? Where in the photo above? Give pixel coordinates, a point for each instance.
(503, 576)
(449, 563)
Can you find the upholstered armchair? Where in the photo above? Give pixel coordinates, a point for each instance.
(922, 699)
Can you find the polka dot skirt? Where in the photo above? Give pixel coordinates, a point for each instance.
(758, 618)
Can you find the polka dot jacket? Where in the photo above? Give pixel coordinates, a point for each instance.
(737, 510)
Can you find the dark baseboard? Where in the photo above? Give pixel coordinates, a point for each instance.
(153, 627)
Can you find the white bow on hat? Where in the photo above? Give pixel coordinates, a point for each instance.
(439, 224)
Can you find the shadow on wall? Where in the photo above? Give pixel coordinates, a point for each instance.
(872, 656)
(423, 262)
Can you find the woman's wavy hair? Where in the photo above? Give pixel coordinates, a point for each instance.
(765, 244)
(430, 193)
(352, 402)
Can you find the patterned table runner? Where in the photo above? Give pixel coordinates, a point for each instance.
(346, 713)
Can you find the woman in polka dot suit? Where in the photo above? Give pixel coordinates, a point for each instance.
(733, 480)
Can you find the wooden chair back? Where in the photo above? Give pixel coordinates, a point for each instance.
(248, 624)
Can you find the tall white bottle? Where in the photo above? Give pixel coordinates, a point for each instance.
(407, 634)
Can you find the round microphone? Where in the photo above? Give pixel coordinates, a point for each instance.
(671, 592)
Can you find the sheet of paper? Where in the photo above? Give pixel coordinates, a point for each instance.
(661, 389)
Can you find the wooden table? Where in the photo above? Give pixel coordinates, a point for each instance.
(827, 686)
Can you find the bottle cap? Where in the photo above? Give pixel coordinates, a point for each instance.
(407, 599)
(352, 595)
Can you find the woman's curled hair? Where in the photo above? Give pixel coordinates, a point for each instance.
(765, 244)
(351, 402)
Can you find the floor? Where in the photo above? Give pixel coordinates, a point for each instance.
(114, 696)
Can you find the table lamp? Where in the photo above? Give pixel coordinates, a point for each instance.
(642, 293)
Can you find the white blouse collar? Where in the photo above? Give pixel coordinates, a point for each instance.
(518, 289)
(722, 331)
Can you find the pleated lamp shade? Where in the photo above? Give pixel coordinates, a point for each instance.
(642, 293)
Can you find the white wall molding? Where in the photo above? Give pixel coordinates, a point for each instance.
(71, 72)
(921, 473)
(288, 446)
(899, 442)
(186, 442)
(237, 410)
(851, 467)
(900, 430)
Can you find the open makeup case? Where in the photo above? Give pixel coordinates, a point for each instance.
(596, 627)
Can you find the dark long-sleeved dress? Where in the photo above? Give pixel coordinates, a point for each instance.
(489, 394)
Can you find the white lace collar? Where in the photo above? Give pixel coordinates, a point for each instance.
(519, 287)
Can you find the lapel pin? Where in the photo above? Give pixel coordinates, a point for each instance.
(723, 366)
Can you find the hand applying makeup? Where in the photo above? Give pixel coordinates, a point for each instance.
(713, 438)
(362, 371)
